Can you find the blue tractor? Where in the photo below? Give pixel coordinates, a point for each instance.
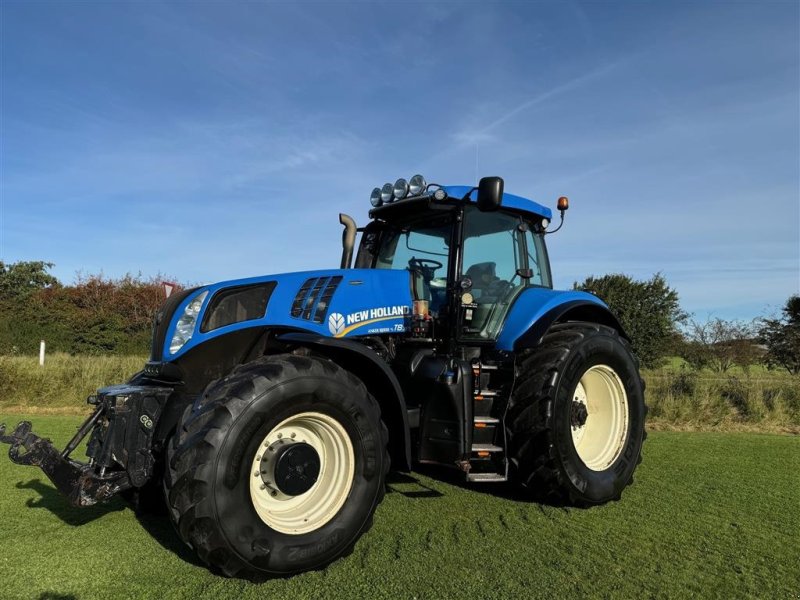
(272, 408)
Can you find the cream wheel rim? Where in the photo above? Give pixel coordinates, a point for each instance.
(313, 508)
(599, 417)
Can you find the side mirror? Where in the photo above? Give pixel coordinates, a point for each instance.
(490, 193)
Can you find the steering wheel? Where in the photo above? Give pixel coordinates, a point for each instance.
(425, 266)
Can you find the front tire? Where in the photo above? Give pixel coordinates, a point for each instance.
(278, 468)
(576, 416)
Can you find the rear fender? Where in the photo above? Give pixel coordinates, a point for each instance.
(537, 309)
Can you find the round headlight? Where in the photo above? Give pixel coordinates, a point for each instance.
(440, 194)
(417, 185)
(375, 197)
(545, 223)
(387, 192)
(400, 189)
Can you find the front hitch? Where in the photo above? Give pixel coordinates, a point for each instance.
(119, 449)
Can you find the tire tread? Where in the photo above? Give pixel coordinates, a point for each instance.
(196, 443)
(531, 412)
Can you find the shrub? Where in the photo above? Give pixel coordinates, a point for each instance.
(683, 383)
(735, 392)
(96, 315)
(648, 311)
(782, 337)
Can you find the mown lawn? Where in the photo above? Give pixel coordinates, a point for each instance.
(710, 515)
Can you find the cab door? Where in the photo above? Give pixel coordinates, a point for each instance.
(494, 270)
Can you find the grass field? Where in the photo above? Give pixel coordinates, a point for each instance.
(711, 515)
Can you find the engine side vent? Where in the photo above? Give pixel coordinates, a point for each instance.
(314, 297)
(299, 299)
(325, 299)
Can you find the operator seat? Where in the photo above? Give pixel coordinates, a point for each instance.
(483, 275)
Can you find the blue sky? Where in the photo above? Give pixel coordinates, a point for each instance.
(211, 140)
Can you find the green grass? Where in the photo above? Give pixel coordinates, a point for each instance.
(710, 515)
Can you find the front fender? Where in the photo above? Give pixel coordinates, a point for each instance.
(536, 309)
(381, 382)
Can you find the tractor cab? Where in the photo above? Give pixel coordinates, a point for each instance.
(470, 251)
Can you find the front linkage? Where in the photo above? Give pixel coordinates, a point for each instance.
(119, 448)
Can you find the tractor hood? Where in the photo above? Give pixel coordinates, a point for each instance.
(334, 303)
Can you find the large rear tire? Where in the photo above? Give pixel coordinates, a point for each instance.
(278, 468)
(576, 416)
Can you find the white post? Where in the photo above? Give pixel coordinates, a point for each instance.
(41, 353)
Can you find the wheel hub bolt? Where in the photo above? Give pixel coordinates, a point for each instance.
(578, 414)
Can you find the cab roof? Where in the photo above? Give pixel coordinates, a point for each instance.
(409, 206)
(509, 201)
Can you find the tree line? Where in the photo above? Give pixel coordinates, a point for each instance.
(651, 315)
(101, 315)
(95, 315)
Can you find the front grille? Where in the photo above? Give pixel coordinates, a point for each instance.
(314, 297)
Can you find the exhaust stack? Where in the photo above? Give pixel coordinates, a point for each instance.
(348, 239)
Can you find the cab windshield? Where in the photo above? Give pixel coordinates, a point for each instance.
(423, 249)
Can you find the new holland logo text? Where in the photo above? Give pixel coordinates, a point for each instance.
(339, 325)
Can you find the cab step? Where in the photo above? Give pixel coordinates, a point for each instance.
(487, 420)
(488, 461)
(486, 448)
(486, 477)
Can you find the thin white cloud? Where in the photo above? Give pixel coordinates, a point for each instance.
(543, 97)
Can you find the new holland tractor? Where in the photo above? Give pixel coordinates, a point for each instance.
(272, 408)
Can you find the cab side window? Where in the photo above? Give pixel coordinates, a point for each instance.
(492, 256)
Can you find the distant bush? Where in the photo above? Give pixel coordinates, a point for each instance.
(20, 279)
(683, 383)
(782, 337)
(649, 311)
(95, 315)
(719, 345)
(697, 399)
(735, 392)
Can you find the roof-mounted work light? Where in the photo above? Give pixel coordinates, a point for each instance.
(375, 197)
(401, 188)
(387, 193)
(417, 185)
